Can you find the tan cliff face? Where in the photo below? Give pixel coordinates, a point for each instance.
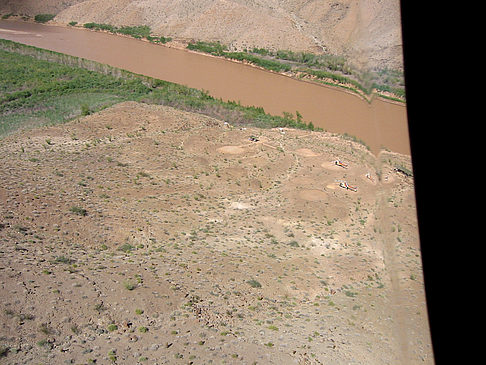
(368, 31)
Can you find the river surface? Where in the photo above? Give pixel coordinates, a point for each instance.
(379, 124)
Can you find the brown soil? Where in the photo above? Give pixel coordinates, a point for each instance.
(202, 246)
(367, 31)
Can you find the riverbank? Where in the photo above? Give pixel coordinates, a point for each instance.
(284, 62)
(381, 124)
(42, 87)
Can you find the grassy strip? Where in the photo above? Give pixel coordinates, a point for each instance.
(217, 49)
(41, 87)
(258, 61)
(138, 32)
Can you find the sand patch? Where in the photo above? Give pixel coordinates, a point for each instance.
(312, 195)
(231, 150)
(236, 172)
(302, 181)
(238, 205)
(195, 143)
(16, 32)
(305, 152)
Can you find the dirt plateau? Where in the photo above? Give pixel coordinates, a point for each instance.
(145, 234)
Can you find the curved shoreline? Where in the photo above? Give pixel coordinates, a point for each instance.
(181, 44)
(379, 123)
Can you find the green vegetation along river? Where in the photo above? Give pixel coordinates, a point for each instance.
(379, 123)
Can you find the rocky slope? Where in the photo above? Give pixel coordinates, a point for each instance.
(367, 31)
(144, 234)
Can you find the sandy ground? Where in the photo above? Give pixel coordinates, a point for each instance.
(144, 234)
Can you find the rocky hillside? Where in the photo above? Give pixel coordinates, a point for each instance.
(367, 31)
(145, 234)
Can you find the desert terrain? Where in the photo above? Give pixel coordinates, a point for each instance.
(367, 32)
(145, 234)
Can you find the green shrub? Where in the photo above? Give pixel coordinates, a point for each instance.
(126, 247)
(63, 260)
(100, 26)
(139, 31)
(129, 285)
(79, 211)
(85, 110)
(261, 51)
(254, 284)
(294, 244)
(43, 18)
(214, 48)
(165, 39)
(112, 327)
(89, 25)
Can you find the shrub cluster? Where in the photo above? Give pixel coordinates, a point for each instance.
(214, 48)
(43, 18)
(138, 31)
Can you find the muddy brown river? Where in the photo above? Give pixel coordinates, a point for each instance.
(379, 124)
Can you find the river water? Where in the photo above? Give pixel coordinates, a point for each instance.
(379, 124)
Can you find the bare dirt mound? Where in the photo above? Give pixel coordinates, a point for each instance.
(133, 235)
